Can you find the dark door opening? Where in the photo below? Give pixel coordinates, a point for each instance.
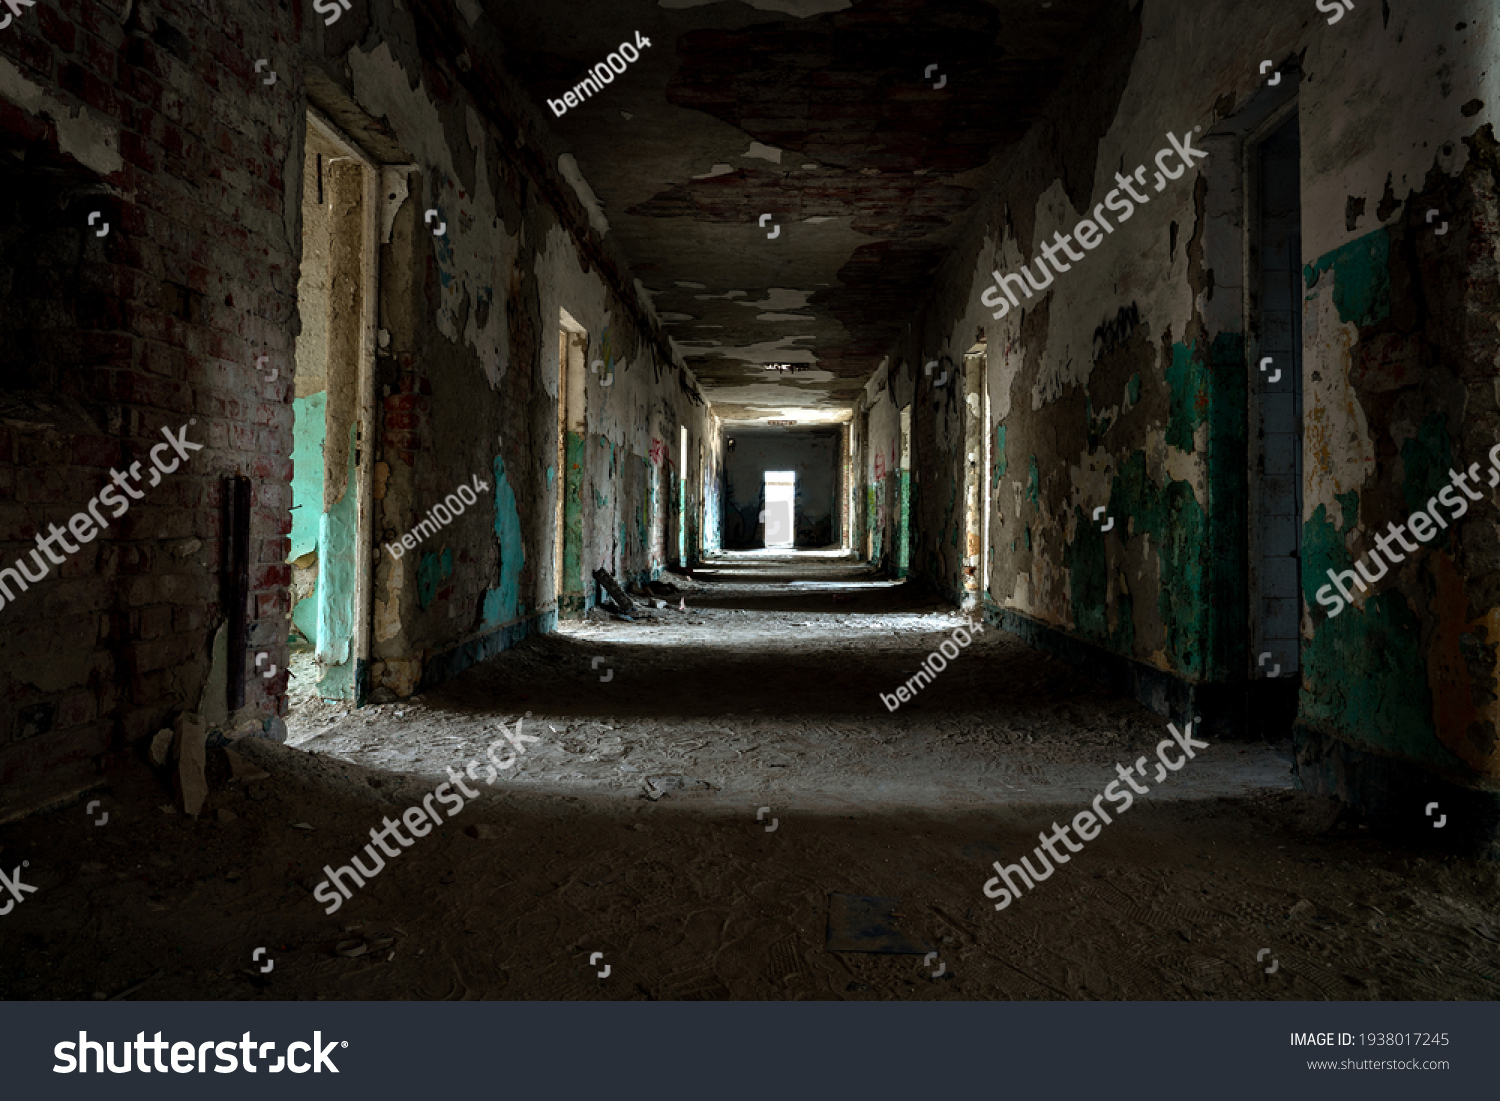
(1276, 429)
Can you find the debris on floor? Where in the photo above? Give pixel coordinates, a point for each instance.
(622, 604)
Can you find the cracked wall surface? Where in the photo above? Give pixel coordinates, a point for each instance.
(1125, 384)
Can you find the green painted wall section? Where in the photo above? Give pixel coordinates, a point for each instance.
(309, 426)
(1361, 278)
(432, 570)
(1365, 670)
(337, 532)
(1087, 561)
(1176, 523)
(1034, 483)
(1000, 464)
(1426, 459)
(502, 604)
(305, 617)
(1188, 382)
(1364, 674)
(1201, 555)
(572, 557)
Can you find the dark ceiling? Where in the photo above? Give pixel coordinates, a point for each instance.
(824, 119)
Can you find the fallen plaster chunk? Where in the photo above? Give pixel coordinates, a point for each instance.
(161, 745)
(189, 781)
(241, 770)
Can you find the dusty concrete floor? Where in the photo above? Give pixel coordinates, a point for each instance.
(629, 828)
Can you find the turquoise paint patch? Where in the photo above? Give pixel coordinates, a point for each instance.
(305, 616)
(551, 474)
(1086, 560)
(1426, 460)
(493, 610)
(1370, 680)
(432, 571)
(1174, 520)
(506, 602)
(1361, 278)
(309, 427)
(336, 565)
(1000, 464)
(1187, 383)
(1133, 390)
(336, 530)
(1034, 486)
(1348, 508)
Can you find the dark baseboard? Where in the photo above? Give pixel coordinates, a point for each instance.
(455, 661)
(1392, 794)
(1226, 710)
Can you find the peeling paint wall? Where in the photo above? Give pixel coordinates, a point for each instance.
(1124, 385)
(469, 378)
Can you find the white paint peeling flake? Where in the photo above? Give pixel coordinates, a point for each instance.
(475, 255)
(567, 164)
(779, 298)
(716, 170)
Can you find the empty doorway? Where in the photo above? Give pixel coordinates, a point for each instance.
(778, 510)
(903, 498)
(976, 482)
(567, 485)
(1275, 529)
(332, 410)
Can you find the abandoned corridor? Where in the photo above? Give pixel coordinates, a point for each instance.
(631, 826)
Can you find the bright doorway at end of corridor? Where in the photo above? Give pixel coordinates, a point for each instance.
(776, 517)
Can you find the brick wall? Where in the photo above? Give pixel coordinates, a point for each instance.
(160, 123)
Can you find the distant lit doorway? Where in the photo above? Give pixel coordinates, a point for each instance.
(776, 513)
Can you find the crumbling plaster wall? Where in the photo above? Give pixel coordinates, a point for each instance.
(1401, 325)
(880, 467)
(468, 375)
(148, 113)
(1125, 384)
